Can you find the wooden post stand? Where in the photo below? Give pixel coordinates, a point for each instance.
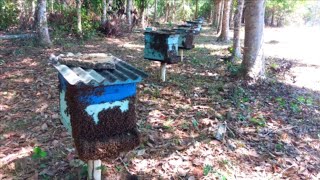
(94, 169)
(163, 71)
(181, 54)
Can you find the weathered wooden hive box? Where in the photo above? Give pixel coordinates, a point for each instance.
(186, 38)
(161, 46)
(196, 26)
(98, 105)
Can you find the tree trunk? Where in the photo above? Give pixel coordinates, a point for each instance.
(236, 53)
(216, 13)
(220, 16)
(224, 36)
(166, 14)
(173, 10)
(231, 14)
(129, 15)
(79, 26)
(272, 18)
(142, 15)
(42, 24)
(254, 61)
(197, 8)
(104, 11)
(51, 6)
(155, 11)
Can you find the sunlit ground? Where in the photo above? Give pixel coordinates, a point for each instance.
(299, 44)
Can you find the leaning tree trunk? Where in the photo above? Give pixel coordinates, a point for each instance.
(79, 26)
(236, 53)
(224, 36)
(129, 15)
(42, 24)
(254, 61)
(104, 12)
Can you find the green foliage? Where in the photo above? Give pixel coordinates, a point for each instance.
(281, 102)
(234, 69)
(258, 121)
(207, 169)
(195, 123)
(205, 8)
(8, 13)
(240, 96)
(38, 153)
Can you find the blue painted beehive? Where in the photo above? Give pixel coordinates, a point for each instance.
(98, 107)
(161, 46)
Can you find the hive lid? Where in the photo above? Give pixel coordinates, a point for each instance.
(93, 60)
(119, 72)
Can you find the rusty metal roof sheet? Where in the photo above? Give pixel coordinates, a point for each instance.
(123, 73)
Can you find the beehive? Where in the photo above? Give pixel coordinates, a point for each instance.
(98, 107)
(161, 46)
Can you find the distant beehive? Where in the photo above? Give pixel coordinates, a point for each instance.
(161, 46)
(98, 105)
(186, 38)
(196, 25)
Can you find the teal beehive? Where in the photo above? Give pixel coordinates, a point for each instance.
(161, 46)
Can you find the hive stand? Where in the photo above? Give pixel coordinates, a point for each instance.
(161, 46)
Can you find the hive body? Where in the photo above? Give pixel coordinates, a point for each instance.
(98, 107)
(161, 46)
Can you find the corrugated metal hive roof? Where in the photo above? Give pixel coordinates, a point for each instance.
(123, 73)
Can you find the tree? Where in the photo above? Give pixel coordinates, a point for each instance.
(79, 26)
(155, 10)
(216, 13)
(224, 36)
(129, 9)
(236, 53)
(254, 62)
(142, 5)
(197, 9)
(42, 24)
(104, 12)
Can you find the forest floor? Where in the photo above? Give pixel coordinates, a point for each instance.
(273, 127)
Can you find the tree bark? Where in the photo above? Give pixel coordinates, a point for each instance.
(42, 24)
(224, 36)
(129, 15)
(231, 14)
(254, 62)
(197, 9)
(236, 53)
(142, 15)
(155, 11)
(166, 14)
(216, 13)
(220, 16)
(79, 25)
(104, 11)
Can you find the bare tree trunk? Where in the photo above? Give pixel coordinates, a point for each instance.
(155, 11)
(197, 8)
(166, 14)
(173, 11)
(236, 53)
(254, 61)
(231, 14)
(129, 15)
(104, 11)
(51, 6)
(216, 13)
(224, 36)
(79, 26)
(221, 4)
(142, 15)
(42, 24)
